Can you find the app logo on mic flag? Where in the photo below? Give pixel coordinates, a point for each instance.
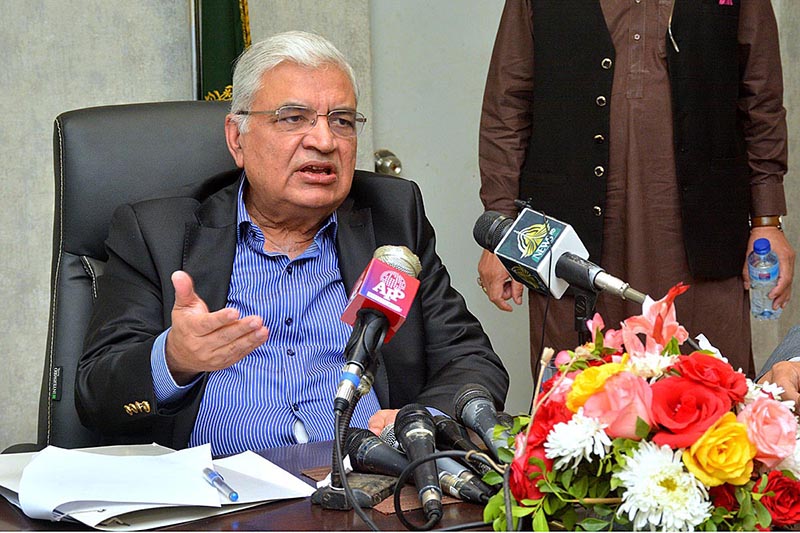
(383, 288)
(390, 288)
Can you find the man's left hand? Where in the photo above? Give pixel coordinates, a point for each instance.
(381, 419)
(781, 294)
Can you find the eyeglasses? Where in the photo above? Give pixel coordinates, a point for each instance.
(299, 119)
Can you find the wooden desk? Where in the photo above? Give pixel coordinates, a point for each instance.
(288, 515)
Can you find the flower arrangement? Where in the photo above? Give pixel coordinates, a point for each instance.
(630, 434)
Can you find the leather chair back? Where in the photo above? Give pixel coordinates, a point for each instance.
(106, 156)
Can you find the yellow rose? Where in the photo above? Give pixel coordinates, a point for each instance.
(590, 381)
(722, 454)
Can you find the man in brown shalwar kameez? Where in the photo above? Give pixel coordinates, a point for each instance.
(658, 131)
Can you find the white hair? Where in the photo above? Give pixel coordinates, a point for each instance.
(301, 48)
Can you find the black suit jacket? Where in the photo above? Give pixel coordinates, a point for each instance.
(440, 348)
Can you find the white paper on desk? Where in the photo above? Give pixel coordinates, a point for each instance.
(13, 464)
(255, 479)
(72, 481)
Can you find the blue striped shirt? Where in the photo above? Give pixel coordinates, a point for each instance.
(284, 389)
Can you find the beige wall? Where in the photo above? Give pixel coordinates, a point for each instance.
(59, 55)
(65, 54)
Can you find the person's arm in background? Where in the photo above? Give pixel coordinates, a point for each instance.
(783, 366)
(505, 129)
(764, 124)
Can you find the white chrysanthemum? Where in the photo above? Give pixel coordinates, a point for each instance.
(578, 439)
(659, 492)
(766, 389)
(649, 365)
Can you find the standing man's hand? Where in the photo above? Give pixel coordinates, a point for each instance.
(201, 341)
(781, 294)
(493, 278)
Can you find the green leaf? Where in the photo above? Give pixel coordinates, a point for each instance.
(642, 428)
(505, 455)
(517, 511)
(579, 488)
(602, 510)
(540, 521)
(569, 518)
(494, 507)
(762, 515)
(499, 524)
(593, 524)
(672, 347)
(492, 478)
(566, 478)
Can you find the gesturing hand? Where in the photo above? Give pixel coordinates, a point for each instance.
(201, 341)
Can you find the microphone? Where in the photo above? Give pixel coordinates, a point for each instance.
(370, 454)
(454, 478)
(450, 435)
(474, 408)
(545, 254)
(377, 307)
(415, 432)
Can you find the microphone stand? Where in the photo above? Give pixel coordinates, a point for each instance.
(584, 310)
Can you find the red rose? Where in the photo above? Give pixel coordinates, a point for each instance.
(714, 373)
(547, 415)
(724, 496)
(784, 506)
(524, 475)
(684, 409)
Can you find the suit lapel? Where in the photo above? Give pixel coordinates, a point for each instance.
(210, 245)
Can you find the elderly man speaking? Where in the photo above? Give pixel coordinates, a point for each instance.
(218, 315)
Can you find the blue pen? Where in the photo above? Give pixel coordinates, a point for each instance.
(216, 480)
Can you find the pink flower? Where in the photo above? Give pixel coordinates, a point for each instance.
(726, 2)
(562, 358)
(772, 427)
(595, 323)
(658, 323)
(611, 338)
(623, 399)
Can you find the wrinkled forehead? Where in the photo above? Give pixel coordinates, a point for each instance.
(325, 78)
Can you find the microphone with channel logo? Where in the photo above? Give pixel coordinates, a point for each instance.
(378, 306)
(546, 255)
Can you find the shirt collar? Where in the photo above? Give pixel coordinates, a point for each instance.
(244, 222)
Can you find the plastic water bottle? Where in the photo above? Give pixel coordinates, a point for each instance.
(762, 264)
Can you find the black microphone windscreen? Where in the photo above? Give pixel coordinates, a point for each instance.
(354, 438)
(468, 393)
(490, 228)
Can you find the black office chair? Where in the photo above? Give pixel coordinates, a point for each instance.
(106, 156)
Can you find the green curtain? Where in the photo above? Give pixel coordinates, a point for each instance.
(222, 32)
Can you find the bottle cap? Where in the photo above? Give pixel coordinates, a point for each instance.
(761, 246)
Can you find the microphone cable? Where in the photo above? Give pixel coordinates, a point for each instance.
(346, 484)
(456, 454)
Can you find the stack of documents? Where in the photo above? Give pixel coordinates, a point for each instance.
(120, 488)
